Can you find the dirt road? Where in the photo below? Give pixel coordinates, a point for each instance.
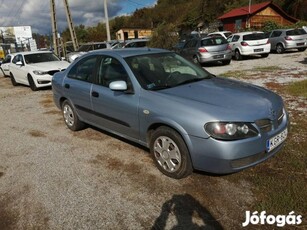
(52, 178)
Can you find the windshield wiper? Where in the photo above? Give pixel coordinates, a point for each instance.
(193, 80)
(159, 87)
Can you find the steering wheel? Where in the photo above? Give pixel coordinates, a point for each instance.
(170, 77)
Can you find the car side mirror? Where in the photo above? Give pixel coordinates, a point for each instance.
(118, 86)
(19, 63)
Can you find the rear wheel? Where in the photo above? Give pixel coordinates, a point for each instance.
(280, 49)
(71, 119)
(301, 49)
(14, 83)
(238, 55)
(32, 84)
(265, 55)
(170, 153)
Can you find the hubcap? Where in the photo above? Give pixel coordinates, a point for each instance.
(167, 154)
(68, 115)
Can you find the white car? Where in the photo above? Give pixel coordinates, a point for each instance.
(249, 43)
(35, 69)
(5, 65)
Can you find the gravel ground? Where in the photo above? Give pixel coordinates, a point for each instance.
(52, 178)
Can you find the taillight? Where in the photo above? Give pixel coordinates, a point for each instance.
(288, 38)
(268, 41)
(202, 50)
(229, 47)
(244, 43)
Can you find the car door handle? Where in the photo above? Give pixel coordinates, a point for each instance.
(67, 86)
(95, 94)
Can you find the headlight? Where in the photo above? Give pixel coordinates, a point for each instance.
(230, 130)
(40, 72)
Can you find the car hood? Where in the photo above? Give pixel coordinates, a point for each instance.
(47, 66)
(224, 99)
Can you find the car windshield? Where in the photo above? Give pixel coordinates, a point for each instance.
(40, 57)
(255, 36)
(164, 70)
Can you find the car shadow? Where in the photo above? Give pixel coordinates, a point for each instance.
(185, 208)
(304, 61)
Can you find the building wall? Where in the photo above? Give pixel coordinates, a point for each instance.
(256, 21)
(268, 14)
(125, 34)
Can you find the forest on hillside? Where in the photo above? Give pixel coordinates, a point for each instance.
(180, 15)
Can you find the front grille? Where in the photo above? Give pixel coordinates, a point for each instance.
(265, 125)
(52, 72)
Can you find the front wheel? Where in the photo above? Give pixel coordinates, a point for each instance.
(32, 84)
(170, 153)
(70, 117)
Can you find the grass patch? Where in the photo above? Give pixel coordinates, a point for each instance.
(267, 68)
(234, 74)
(297, 88)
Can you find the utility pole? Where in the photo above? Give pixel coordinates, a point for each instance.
(107, 20)
(54, 28)
(71, 26)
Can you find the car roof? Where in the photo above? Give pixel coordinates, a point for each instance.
(32, 52)
(129, 52)
(248, 32)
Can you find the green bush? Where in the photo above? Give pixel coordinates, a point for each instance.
(164, 36)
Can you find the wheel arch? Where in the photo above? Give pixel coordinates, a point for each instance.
(172, 125)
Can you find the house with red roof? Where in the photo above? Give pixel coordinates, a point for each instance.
(254, 16)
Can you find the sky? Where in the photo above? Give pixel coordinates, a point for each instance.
(36, 13)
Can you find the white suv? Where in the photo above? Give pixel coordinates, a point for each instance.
(35, 69)
(249, 43)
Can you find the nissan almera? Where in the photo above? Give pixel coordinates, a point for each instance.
(187, 117)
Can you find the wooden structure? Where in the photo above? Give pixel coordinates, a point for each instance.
(254, 16)
(132, 33)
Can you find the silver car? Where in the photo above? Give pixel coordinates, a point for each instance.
(187, 117)
(285, 39)
(207, 50)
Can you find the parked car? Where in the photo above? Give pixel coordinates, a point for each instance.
(285, 39)
(249, 43)
(224, 34)
(86, 48)
(35, 69)
(206, 50)
(136, 43)
(5, 65)
(187, 117)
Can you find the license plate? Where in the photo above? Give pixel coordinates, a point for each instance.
(300, 44)
(276, 140)
(258, 50)
(218, 56)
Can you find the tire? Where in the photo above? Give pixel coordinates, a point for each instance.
(265, 55)
(170, 153)
(279, 48)
(301, 49)
(32, 84)
(226, 62)
(14, 83)
(71, 119)
(195, 60)
(3, 73)
(238, 55)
